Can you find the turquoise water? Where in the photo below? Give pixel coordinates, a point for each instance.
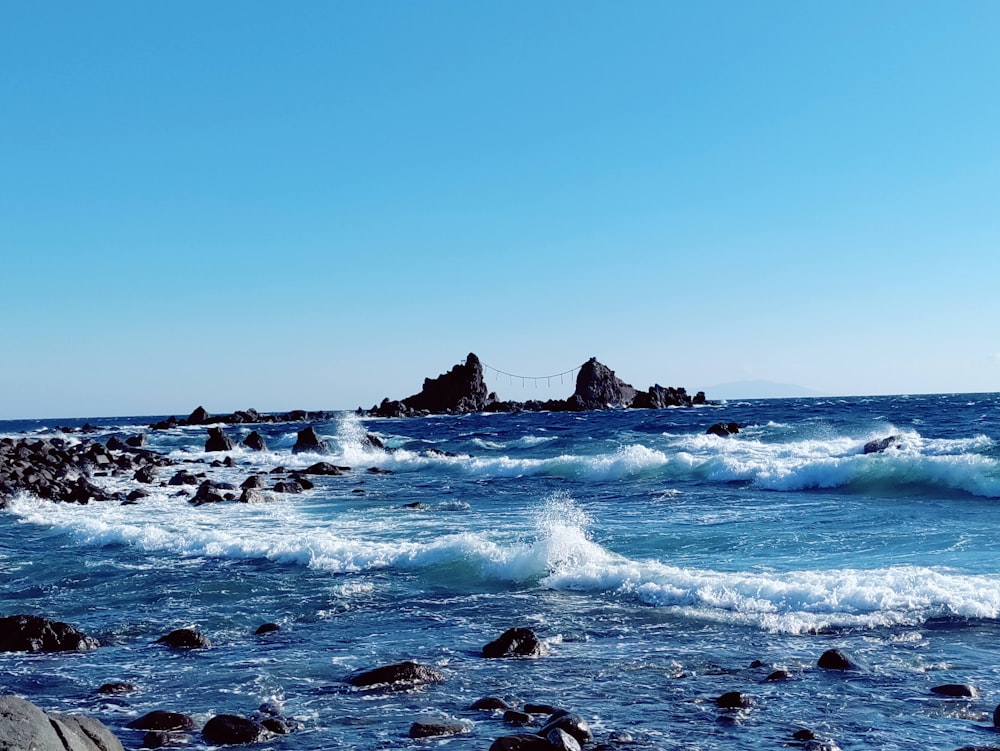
(657, 562)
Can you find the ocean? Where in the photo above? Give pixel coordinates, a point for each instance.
(661, 566)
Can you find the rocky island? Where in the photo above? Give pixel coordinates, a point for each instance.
(463, 389)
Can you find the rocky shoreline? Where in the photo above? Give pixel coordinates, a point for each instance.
(463, 390)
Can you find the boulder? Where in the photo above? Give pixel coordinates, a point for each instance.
(733, 700)
(325, 468)
(25, 727)
(32, 633)
(956, 691)
(779, 675)
(515, 642)
(517, 719)
(255, 442)
(562, 741)
(229, 729)
(254, 495)
(542, 709)
(834, 659)
(724, 429)
(408, 673)
(287, 486)
(307, 440)
(145, 475)
(597, 387)
(218, 441)
(183, 477)
(267, 628)
(881, 444)
(136, 441)
(209, 492)
(184, 638)
(116, 688)
(164, 721)
(571, 723)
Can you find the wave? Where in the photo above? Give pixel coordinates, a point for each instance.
(557, 554)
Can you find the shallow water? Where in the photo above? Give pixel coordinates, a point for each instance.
(656, 561)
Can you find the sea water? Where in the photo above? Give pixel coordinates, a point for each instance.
(662, 567)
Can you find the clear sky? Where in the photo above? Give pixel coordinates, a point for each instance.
(317, 204)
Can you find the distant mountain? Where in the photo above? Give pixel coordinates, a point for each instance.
(758, 390)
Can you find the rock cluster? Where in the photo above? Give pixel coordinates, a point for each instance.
(201, 416)
(57, 469)
(463, 389)
(32, 633)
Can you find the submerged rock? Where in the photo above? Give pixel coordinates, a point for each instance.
(834, 659)
(436, 729)
(409, 673)
(32, 633)
(184, 638)
(956, 690)
(571, 723)
(163, 721)
(879, 445)
(724, 429)
(521, 742)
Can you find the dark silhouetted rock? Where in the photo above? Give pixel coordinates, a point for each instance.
(733, 700)
(779, 675)
(267, 628)
(834, 659)
(209, 492)
(659, 397)
(25, 727)
(308, 441)
(163, 721)
(462, 389)
(515, 642)
(254, 481)
(145, 475)
(184, 638)
(287, 486)
(880, 445)
(724, 429)
(228, 729)
(956, 690)
(136, 441)
(324, 468)
(547, 709)
(521, 742)
(255, 442)
(597, 387)
(32, 633)
(409, 673)
(436, 729)
(490, 702)
(372, 441)
(136, 495)
(218, 441)
(253, 495)
(199, 417)
(570, 722)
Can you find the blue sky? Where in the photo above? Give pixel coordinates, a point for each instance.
(315, 205)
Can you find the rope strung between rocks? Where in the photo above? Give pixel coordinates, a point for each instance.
(524, 379)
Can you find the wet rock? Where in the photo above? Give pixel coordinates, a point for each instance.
(267, 628)
(517, 719)
(571, 723)
(546, 709)
(562, 741)
(804, 735)
(379, 471)
(490, 702)
(879, 445)
(996, 717)
(733, 700)
(409, 673)
(834, 659)
(136, 441)
(136, 495)
(183, 477)
(724, 429)
(325, 468)
(521, 742)
(307, 440)
(372, 441)
(145, 475)
(956, 690)
(779, 675)
(209, 492)
(25, 727)
(32, 633)
(255, 442)
(163, 721)
(218, 441)
(228, 729)
(254, 481)
(253, 495)
(515, 642)
(116, 688)
(184, 638)
(156, 739)
(436, 729)
(287, 486)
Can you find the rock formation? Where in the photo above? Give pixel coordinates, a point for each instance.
(463, 389)
(25, 727)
